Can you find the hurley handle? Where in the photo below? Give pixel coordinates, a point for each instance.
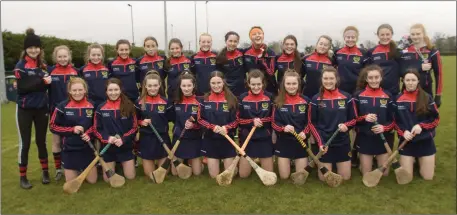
(245, 144)
(173, 150)
(386, 145)
(156, 133)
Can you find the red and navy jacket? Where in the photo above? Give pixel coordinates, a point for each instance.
(95, 75)
(311, 69)
(234, 71)
(202, 65)
(215, 111)
(125, 70)
(183, 111)
(66, 116)
(283, 63)
(390, 67)
(31, 88)
(374, 101)
(178, 65)
(60, 76)
(411, 59)
(255, 106)
(294, 112)
(328, 111)
(109, 122)
(406, 117)
(146, 63)
(158, 109)
(266, 64)
(350, 60)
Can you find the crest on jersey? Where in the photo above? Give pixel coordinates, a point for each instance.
(225, 107)
(301, 108)
(160, 65)
(265, 105)
(383, 102)
(240, 61)
(341, 103)
(194, 109)
(425, 55)
(132, 68)
(213, 61)
(356, 59)
(186, 66)
(105, 74)
(89, 112)
(161, 108)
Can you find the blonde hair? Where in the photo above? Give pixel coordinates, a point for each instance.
(426, 38)
(204, 34)
(76, 80)
(330, 51)
(94, 46)
(57, 49)
(352, 28)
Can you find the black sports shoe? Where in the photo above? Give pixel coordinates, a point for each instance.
(45, 177)
(59, 174)
(24, 182)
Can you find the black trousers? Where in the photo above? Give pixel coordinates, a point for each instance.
(25, 118)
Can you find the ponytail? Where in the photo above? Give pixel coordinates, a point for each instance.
(297, 62)
(428, 42)
(222, 57)
(393, 53)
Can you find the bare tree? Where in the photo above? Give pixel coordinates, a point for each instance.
(245, 45)
(275, 46)
(369, 44)
(337, 44)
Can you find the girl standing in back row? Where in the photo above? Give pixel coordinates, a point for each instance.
(151, 60)
(203, 64)
(176, 64)
(123, 68)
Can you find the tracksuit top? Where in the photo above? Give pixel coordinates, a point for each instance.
(349, 60)
(60, 75)
(31, 88)
(95, 76)
(109, 122)
(178, 65)
(234, 70)
(146, 63)
(183, 111)
(283, 63)
(328, 111)
(256, 106)
(390, 67)
(158, 109)
(265, 64)
(202, 65)
(411, 59)
(406, 117)
(312, 67)
(294, 112)
(374, 101)
(66, 116)
(215, 111)
(125, 70)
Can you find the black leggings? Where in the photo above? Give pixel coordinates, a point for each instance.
(40, 118)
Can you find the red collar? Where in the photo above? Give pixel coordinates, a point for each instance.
(122, 60)
(154, 99)
(217, 97)
(189, 99)
(30, 60)
(259, 50)
(180, 59)
(206, 54)
(82, 103)
(115, 103)
(330, 93)
(146, 56)
(291, 99)
(368, 88)
(411, 93)
(350, 48)
(261, 93)
(319, 54)
(66, 66)
(96, 66)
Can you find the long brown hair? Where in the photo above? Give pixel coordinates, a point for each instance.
(40, 58)
(329, 69)
(229, 97)
(256, 73)
(221, 57)
(297, 59)
(281, 98)
(150, 75)
(127, 109)
(392, 45)
(185, 76)
(426, 38)
(422, 96)
(150, 38)
(173, 40)
(362, 80)
(123, 41)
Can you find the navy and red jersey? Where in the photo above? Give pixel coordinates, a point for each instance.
(350, 60)
(68, 114)
(312, 67)
(146, 63)
(109, 122)
(374, 101)
(283, 63)
(379, 55)
(95, 75)
(60, 76)
(183, 111)
(234, 71)
(256, 106)
(178, 65)
(266, 64)
(158, 110)
(202, 65)
(125, 70)
(406, 117)
(330, 110)
(411, 59)
(294, 112)
(215, 110)
(31, 88)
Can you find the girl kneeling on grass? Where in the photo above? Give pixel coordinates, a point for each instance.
(72, 120)
(416, 112)
(333, 109)
(186, 105)
(152, 108)
(290, 114)
(373, 104)
(116, 116)
(255, 110)
(217, 114)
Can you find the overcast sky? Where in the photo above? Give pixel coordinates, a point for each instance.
(106, 22)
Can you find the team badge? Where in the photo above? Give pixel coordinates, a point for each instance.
(240, 61)
(302, 108)
(105, 74)
(161, 108)
(356, 59)
(350, 154)
(160, 65)
(265, 105)
(194, 109)
(213, 61)
(425, 55)
(89, 113)
(225, 107)
(186, 66)
(383, 102)
(132, 68)
(341, 103)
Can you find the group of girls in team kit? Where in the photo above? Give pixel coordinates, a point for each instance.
(211, 95)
